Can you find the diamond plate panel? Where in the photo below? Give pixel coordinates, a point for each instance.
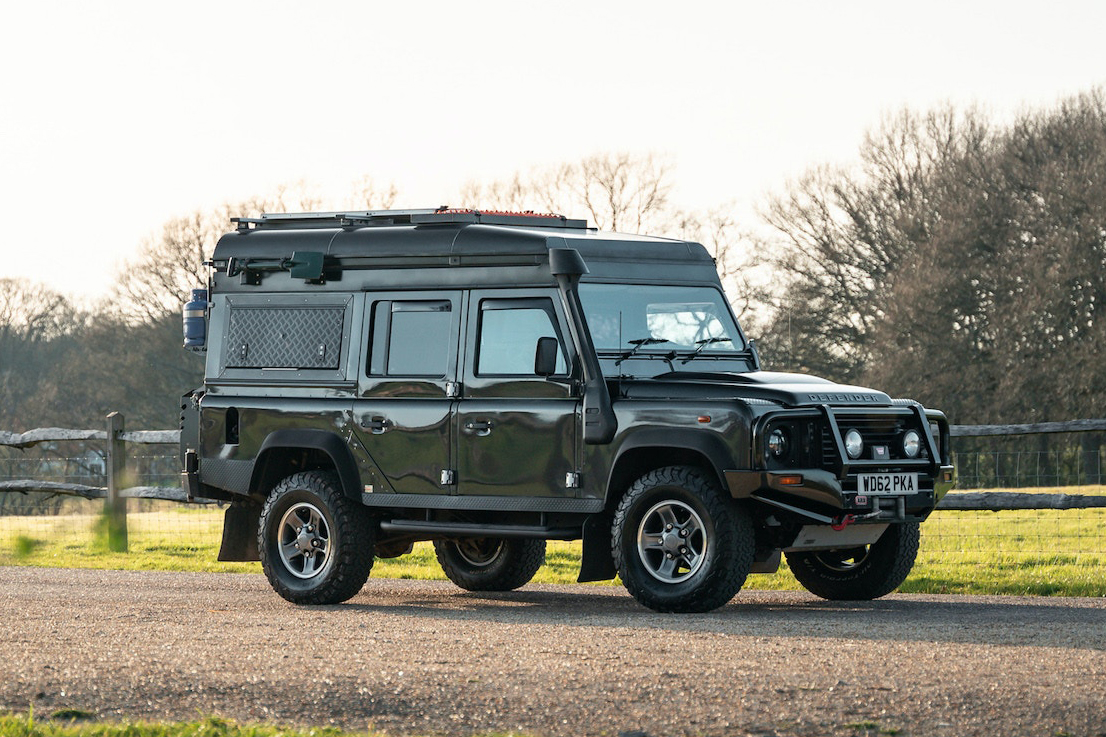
(285, 337)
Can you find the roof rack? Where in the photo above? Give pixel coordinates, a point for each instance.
(439, 216)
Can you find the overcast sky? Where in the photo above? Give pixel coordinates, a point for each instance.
(117, 116)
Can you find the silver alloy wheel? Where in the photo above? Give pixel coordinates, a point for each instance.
(672, 541)
(304, 542)
(479, 552)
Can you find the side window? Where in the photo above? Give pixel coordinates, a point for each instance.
(509, 332)
(410, 338)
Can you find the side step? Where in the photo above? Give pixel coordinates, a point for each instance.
(469, 529)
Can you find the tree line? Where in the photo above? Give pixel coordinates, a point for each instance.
(957, 260)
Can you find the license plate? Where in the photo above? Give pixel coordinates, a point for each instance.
(887, 484)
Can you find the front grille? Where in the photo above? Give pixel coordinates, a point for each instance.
(877, 430)
(813, 445)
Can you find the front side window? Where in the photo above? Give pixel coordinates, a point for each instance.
(509, 333)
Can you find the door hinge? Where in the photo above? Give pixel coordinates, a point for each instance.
(453, 389)
(572, 480)
(449, 477)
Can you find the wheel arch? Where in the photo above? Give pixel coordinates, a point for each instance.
(648, 450)
(285, 452)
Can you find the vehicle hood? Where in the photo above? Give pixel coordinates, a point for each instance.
(793, 390)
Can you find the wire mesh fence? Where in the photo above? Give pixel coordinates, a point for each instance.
(71, 523)
(1030, 461)
(72, 526)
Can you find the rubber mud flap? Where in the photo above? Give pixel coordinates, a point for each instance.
(240, 533)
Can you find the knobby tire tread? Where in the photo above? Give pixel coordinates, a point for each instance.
(352, 529)
(523, 559)
(733, 544)
(877, 576)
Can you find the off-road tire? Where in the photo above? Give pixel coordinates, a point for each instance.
(862, 573)
(341, 530)
(700, 576)
(490, 563)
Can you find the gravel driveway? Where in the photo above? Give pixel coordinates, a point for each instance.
(412, 657)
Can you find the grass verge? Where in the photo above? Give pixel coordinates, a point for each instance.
(1050, 553)
(78, 723)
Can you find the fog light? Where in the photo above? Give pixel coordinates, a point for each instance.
(911, 443)
(854, 443)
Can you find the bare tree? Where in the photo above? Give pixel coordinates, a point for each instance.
(38, 329)
(170, 263)
(961, 263)
(840, 236)
(620, 191)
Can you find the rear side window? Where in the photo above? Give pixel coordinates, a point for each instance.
(411, 338)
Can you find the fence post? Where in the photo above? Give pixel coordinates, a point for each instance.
(115, 507)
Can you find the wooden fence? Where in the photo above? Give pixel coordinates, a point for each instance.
(117, 437)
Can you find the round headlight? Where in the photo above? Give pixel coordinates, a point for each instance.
(777, 443)
(854, 443)
(911, 443)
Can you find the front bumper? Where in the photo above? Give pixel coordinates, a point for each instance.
(820, 495)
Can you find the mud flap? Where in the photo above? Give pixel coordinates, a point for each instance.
(597, 562)
(240, 524)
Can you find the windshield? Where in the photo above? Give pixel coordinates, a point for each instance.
(642, 319)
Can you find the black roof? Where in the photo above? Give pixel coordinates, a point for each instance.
(399, 239)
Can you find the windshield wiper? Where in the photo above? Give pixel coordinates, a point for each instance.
(638, 345)
(703, 344)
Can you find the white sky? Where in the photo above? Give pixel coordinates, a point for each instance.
(117, 116)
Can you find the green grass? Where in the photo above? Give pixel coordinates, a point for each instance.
(79, 723)
(1049, 553)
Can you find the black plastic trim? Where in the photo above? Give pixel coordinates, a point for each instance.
(487, 503)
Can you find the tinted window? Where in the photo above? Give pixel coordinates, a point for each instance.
(418, 338)
(509, 336)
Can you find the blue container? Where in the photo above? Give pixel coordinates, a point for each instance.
(195, 320)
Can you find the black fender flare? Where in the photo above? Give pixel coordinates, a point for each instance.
(329, 443)
(707, 444)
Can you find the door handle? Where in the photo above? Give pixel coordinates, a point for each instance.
(376, 425)
(481, 428)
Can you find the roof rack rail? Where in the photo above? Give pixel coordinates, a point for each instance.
(441, 215)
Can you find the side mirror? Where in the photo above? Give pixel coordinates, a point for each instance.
(545, 356)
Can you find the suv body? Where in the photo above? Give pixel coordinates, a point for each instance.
(490, 381)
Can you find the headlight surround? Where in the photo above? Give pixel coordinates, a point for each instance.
(911, 444)
(854, 443)
(778, 443)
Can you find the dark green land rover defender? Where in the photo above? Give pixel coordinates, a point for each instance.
(490, 381)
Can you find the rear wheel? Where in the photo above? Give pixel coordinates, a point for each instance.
(679, 544)
(490, 563)
(316, 544)
(860, 573)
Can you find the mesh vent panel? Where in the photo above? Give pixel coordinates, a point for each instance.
(285, 337)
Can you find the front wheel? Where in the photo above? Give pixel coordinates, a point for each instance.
(316, 544)
(490, 563)
(679, 544)
(860, 573)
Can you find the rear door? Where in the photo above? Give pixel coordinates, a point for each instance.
(516, 431)
(403, 412)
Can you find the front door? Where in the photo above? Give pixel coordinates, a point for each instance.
(517, 432)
